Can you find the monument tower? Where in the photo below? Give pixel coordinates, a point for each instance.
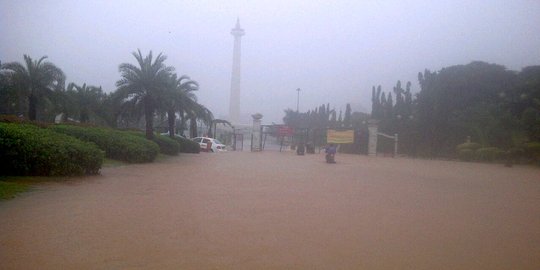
(234, 101)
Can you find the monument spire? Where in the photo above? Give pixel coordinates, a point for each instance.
(234, 101)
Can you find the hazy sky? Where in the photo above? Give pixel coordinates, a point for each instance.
(335, 51)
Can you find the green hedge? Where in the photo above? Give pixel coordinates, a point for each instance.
(532, 150)
(117, 144)
(166, 145)
(188, 146)
(473, 151)
(30, 150)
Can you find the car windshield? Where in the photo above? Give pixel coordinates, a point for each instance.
(217, 141)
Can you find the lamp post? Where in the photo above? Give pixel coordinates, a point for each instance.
(298, 99)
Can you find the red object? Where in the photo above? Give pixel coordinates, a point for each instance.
(209, 146)
(285, 131)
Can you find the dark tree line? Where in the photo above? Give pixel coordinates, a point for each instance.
(484, 102)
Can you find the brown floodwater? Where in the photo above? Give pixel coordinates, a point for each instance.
(272, 210)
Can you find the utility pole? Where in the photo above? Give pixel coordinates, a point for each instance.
(298, 100)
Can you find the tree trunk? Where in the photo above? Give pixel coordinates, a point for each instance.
(149, 118)
(84, 115)
(112, 120)
(32, 110)
(182, 125)
(171, 117)
(193, 127)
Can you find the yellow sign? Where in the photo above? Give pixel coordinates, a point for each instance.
(334, 136)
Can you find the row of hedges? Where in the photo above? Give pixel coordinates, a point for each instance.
(30, 150)
(529, 152)
(172, 146)
(188, 146)
(474, 151)
(118, 145)
(166, 145)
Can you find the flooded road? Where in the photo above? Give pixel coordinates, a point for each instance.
(275, 210)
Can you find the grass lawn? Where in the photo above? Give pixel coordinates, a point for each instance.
(10, 189)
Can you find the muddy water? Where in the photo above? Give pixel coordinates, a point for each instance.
(276, 210)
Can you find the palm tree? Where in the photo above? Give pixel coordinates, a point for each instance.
(87, 100)
(179, 91)
(110, 109)
(36, 81)
(214, 124)
(195, 111)
(145, 84)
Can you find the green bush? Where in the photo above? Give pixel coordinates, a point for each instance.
(471, 146)
(30, 150)
(188, 146)
(117, 144)
(9, 190)
(532, 150)
(166, 145)
(466, 154)
(488, 154)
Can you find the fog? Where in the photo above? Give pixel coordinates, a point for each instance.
(334, 51)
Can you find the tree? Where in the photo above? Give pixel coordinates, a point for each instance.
(347, 118)
(446, 97)
(145, 84)
(524, 101)
(214, 124)
(179, 91)
(377, 103)
(87, 100)
(9, 99)
(36, 81)
(196, 111)
(292, 118)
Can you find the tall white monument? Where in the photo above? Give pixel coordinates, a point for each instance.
(234, 101)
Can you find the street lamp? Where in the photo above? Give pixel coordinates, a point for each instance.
(298, 99)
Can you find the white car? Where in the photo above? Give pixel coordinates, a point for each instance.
(215, 147)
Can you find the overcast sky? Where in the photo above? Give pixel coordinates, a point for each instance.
(335, 51)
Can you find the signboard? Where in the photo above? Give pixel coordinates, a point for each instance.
(335, 136)
(285, 131)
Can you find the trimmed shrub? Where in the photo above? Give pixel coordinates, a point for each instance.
(116, 144)
(488, 154)
(532, 150)
(30, 150)
(188, 146)
(466, 154)
(166, 145)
